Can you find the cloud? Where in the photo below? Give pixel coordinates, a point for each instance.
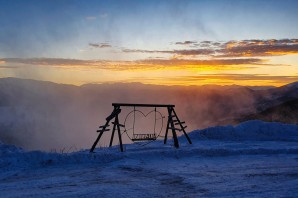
(9, 67)
(100, 45)
(243, 48)
(194, 52)
(217, 62)
(45, 61)
(178, 52)
(145, 64)
(186, 43)
(260, 47)
(73, 63)
(237, 77)
(146, 51)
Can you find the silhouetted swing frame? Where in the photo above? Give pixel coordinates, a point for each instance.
(174, 124)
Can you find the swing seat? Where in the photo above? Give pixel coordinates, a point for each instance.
(143, 137)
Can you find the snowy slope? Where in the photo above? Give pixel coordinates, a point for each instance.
(253, 159)
(250, 130)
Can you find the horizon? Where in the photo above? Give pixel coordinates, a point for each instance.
(148, 84)
(157, 42)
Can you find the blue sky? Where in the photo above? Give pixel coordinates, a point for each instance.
(69, 29)
(39, 28)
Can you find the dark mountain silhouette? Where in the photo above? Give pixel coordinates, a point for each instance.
(286, 112)
(275, 96)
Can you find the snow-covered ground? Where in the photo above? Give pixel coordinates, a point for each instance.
(253, 159)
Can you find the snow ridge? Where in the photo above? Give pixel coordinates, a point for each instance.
(251, 130)
(244, 139)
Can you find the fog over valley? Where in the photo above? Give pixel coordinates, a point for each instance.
(49, 116)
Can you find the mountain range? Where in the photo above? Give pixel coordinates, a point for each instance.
(45, 115)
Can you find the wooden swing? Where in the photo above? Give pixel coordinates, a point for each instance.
(174, 124)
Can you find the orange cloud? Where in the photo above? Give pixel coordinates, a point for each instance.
(255, 48)
(147, 64)
(240, 79)
(243, 48)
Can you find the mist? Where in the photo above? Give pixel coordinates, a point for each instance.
(38, 115)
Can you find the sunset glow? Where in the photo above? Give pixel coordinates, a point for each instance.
(152, 42)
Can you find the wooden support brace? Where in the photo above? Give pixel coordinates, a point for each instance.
(179, 123)
(103, 130)
(99, 136)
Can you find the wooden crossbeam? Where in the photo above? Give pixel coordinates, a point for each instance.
(103, 130)
(141, 105)
(179, 123)
(121, 125)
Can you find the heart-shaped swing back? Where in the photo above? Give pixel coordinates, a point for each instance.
(143, 127)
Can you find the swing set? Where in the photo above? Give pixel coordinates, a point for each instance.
(173, 123)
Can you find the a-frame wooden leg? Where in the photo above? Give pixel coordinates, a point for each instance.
(166, 134)
(99, 136)
(96, 141)
(113, 132)
(187, 137)
(119, 133)
(176, 144)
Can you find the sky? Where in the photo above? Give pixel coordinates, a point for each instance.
(174, 42)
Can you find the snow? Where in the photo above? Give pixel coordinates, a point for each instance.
(253, 159)
(251, 130)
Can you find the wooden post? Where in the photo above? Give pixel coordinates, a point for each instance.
(99, 136)
(119, 132)
(113, 132)
(176, 144)
(166, 134)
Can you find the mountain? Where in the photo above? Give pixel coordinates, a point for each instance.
(272, 97)
(45, 115)
(286, 112)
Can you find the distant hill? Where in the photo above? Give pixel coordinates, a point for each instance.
(275, 96)
(43, 115)
(286, 112)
